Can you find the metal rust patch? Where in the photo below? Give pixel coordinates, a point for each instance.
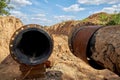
(79, 40)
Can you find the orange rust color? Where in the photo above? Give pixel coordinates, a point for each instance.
(81, 40)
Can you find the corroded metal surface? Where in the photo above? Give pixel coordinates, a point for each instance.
(78, 41)
(32, 72)
(106, 48)
(15, 40)
(28, 50)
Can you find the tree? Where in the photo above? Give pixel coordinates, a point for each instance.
(4, 7)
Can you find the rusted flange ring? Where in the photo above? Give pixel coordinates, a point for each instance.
(17, 55)
(78, 41)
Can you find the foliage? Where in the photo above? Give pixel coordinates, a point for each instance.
(4, 7)
(111, 22)
(86, 19)
(115, 19)
(104, 18)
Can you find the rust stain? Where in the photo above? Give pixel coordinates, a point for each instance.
(79, 41)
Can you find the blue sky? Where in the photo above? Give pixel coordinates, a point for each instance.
(49, 12)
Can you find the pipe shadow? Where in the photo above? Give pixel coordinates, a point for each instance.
(54, 75)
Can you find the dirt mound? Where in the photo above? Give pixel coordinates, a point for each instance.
(65, 66)
(66, 27)
(8, 25)
(97, 15)
(71, 67)
(98, 18)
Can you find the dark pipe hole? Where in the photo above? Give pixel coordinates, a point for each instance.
(95, 65)
(34, 44)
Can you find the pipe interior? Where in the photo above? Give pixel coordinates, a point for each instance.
(34, 44)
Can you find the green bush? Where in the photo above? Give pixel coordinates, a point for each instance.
(103, 18)
(111, 22)
(115, 19)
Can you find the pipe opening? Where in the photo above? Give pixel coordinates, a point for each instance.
(34, 44)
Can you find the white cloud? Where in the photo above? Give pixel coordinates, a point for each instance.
(20, 3)
(35, 18)
(97, 2)
(64, 17)
(41, 19)
(32, 19)
(111, 9)
(73, 8)
(18, 14)
(40, 15)
(59, 6)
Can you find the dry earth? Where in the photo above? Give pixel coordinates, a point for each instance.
(8, 25)
(65, 66)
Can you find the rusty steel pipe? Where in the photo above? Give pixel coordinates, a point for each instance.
(101, 45)
(78, 41)
(31, 45)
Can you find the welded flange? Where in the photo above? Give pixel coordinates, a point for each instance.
(31, 45)
(79, 41)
